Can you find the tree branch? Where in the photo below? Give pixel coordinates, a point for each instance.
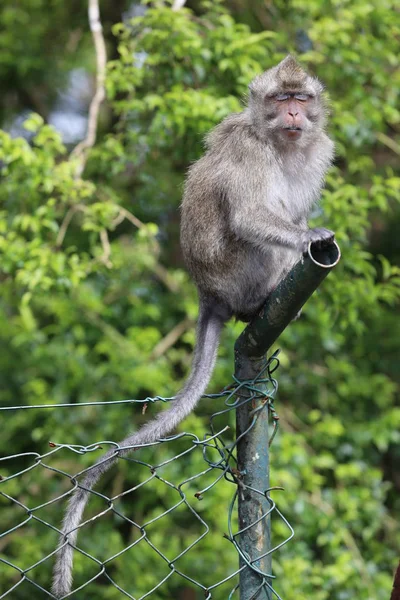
(81, 150)
(129, 216)
(161, 272)
(105, 242)
(171, 337)
(67, 220)
(178, 4)
(385, 139)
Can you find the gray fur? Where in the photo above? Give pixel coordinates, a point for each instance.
(208, 332)
(243, 227)
(247, 200)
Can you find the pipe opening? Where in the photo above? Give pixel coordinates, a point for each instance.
(325, 257)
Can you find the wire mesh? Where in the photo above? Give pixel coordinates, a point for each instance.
(161, 562)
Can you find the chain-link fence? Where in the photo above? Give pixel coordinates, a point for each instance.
(219, 453)
(147, 551)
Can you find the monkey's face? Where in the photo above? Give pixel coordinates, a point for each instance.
(291, 115)
(286, 104)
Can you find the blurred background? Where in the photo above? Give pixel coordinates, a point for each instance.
(95, 304)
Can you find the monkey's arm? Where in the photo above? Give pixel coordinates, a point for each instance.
(259, 226)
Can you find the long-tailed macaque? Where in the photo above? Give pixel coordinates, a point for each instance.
(244, 226)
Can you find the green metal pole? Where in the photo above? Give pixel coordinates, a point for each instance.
(252, 452)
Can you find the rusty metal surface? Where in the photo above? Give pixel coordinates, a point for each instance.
(252, 418)
(253, 506)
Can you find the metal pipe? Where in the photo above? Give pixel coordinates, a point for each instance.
(280, 309)
(286, 300)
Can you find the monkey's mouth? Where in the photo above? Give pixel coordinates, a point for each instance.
(293, 133)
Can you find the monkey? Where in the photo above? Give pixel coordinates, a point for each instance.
(244, 215)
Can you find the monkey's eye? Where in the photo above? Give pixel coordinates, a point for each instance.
(302, 97)
(282, 97)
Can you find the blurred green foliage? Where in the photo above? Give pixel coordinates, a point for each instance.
(92, 280)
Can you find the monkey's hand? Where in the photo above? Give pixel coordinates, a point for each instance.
(319, 236)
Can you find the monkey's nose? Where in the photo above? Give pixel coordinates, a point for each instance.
(293, 114)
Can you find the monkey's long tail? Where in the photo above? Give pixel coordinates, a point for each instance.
(208, 333)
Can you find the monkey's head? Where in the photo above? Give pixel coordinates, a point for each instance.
(286, 103)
